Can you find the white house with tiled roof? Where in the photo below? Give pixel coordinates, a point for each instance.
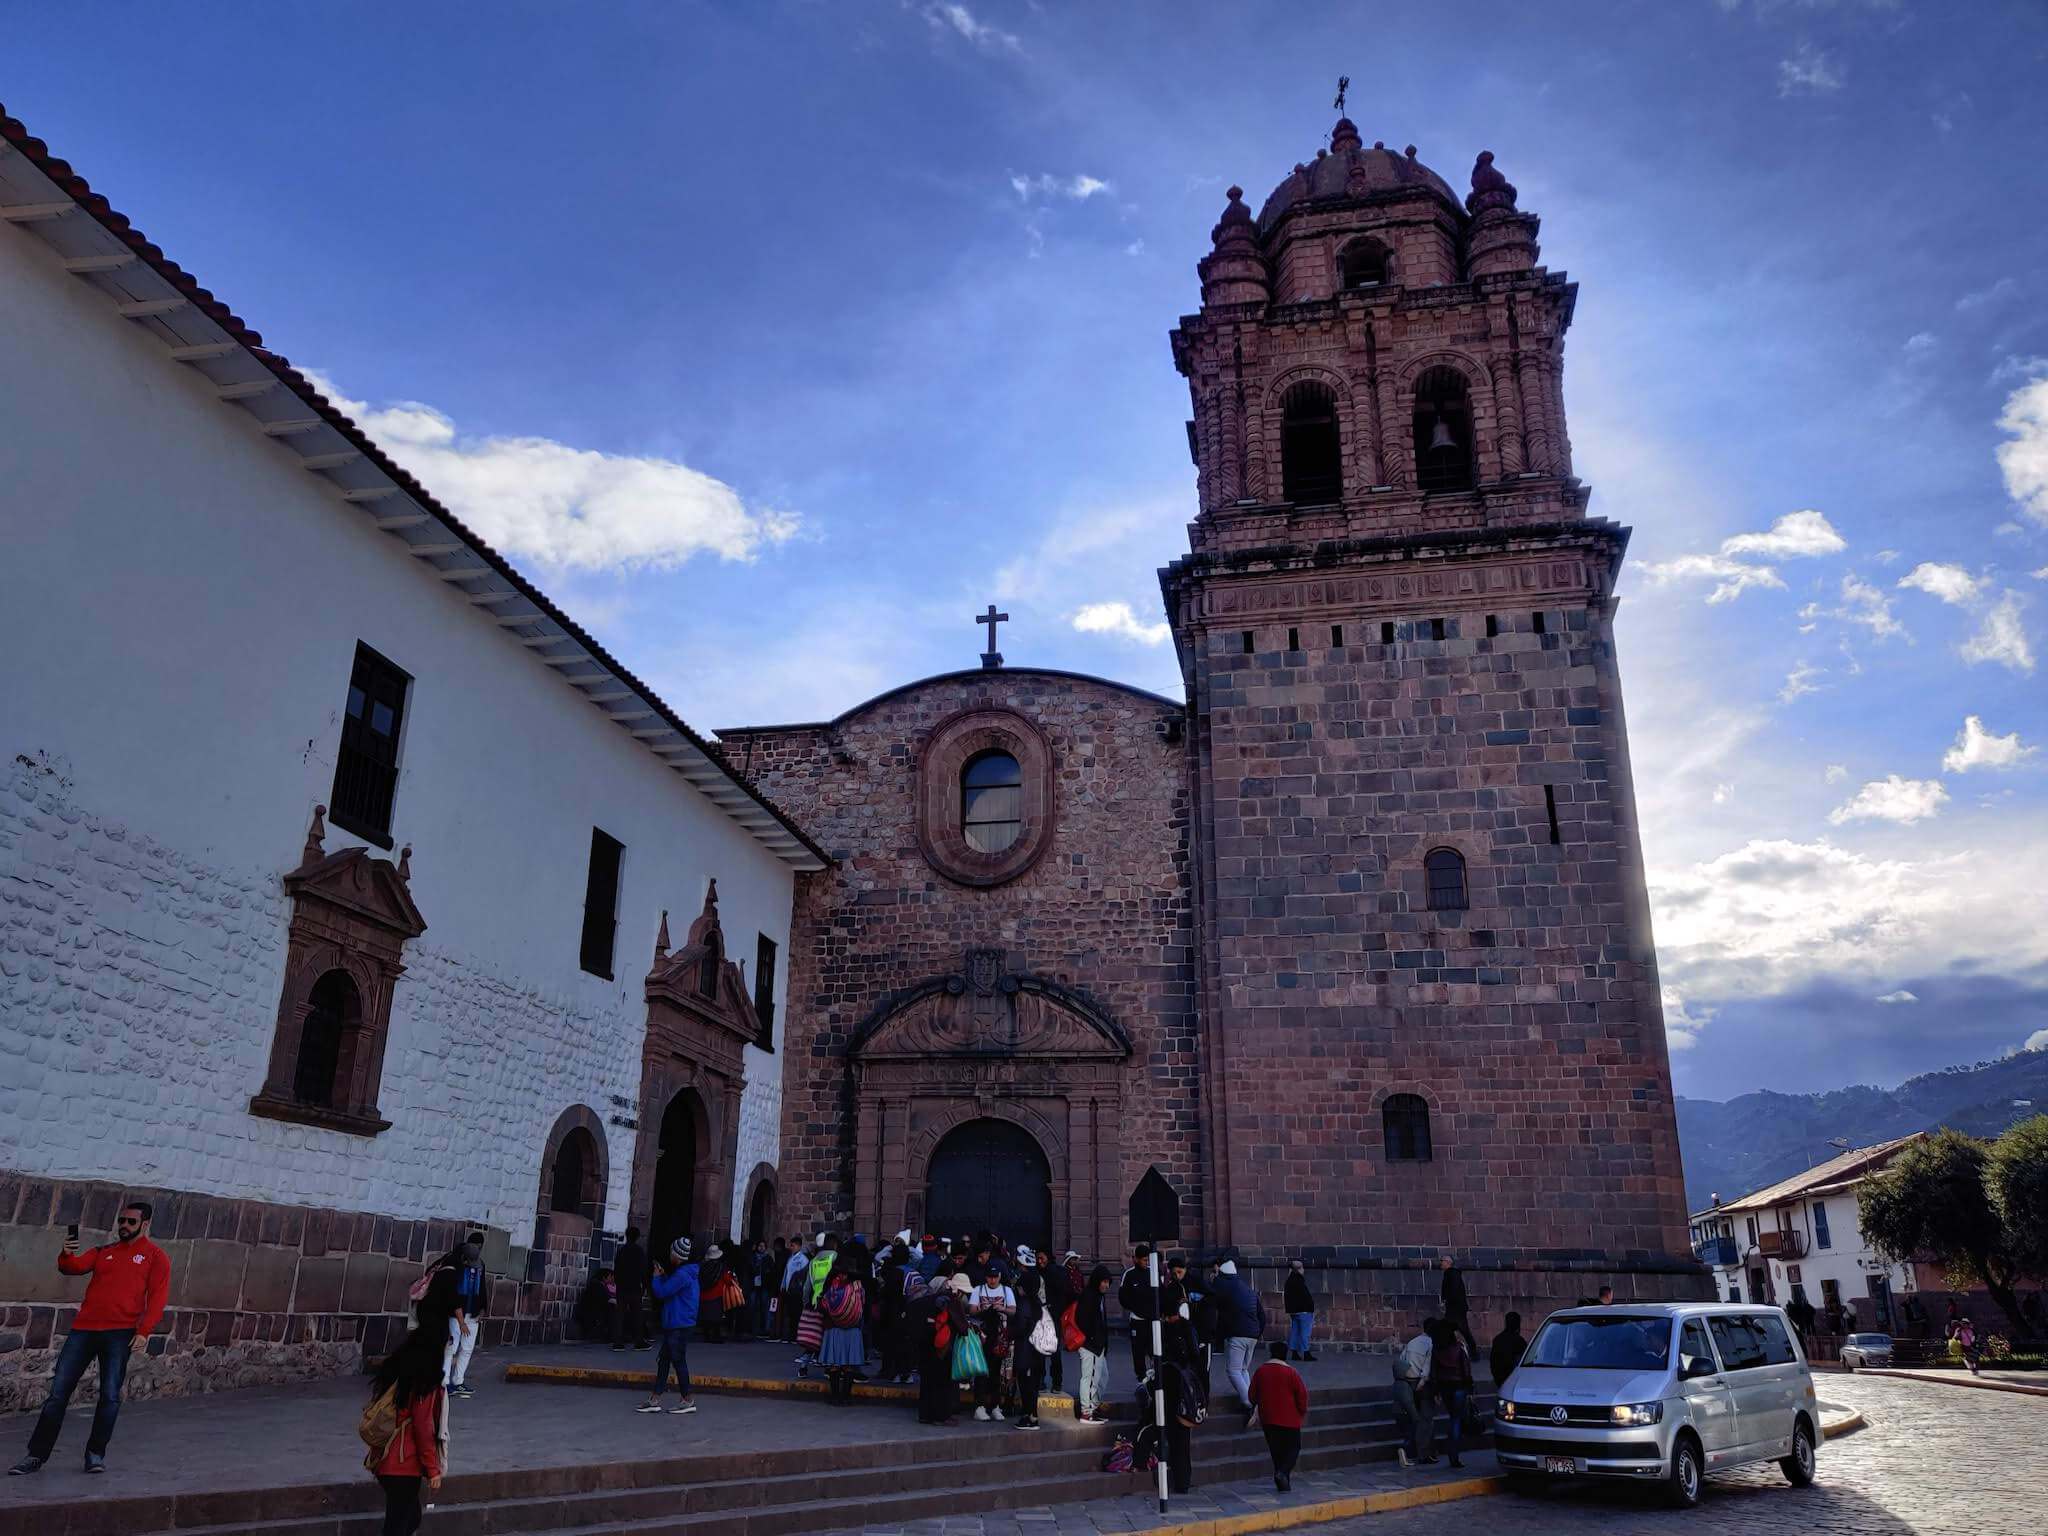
(334, 857)
(1802, 1237)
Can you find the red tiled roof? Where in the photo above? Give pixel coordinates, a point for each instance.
(94, 204)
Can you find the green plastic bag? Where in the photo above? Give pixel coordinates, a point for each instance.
(968, 1359)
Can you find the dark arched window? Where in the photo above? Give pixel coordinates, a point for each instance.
(1443, 431)
(569, 1189)
(1155, 1210)
(333, 1011)
(1445, 868)
(1365, 262)
(991, 801)
(707, 973)
(1404, 1122)
(1311, 455)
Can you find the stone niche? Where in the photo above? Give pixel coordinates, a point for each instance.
(990, 1044)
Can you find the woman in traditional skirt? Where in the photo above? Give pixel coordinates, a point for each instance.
(843, 1306)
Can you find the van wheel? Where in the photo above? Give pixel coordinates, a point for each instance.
(1683, 1485)
(1798, 1467)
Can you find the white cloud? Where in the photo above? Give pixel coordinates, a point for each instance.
(1732, 577)
(1794, 536)
(1775, 914)
(2004, 288)
(2024, 460)
(1684, 1020)
(1835, 774)
(564, 507)
(1900, 996)
(1722, 792)
(1976, 747)
(1809, 72)
(2041, 574)
(2001, 637)
(1799, 682)
(2037, 1041)
(1135, 248)
(1950, 583)
(1920, 341)
(1118, 619)
(1078, 188)
(963, 22)
(1892, 798)
(1861, 604)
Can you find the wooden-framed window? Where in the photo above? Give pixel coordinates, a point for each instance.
(992, 801)
(764, 991)
(601, 903)
(366, 767)
(1404, 1128)
(1445, 871)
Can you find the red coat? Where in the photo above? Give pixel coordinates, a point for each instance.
(1280, 1395)
(130, 1283)
(415, 1451)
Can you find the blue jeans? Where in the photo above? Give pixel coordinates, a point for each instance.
(675, 1350)
(1299, 1326)
(1454, 1399)
(82, 1347)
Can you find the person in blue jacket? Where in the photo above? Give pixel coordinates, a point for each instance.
(675, 1287)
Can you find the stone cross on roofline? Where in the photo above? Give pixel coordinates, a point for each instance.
(991, 658)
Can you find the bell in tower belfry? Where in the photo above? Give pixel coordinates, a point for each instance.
(1418, 867)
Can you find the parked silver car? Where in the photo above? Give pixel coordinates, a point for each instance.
(1861, 1349)
(1666, 1392)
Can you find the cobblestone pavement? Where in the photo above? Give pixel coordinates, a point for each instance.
(1934, 1459)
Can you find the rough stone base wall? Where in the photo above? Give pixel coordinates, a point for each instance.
(261, 1294)
(1379, 1308)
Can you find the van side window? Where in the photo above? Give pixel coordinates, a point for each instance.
(1777, 1343)
(1694, 1342)
(1741, 1349)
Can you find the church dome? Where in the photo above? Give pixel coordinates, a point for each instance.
(1349, 170)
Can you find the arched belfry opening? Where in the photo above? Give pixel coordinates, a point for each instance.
(1443, 431)
(1365, 263)
(1311, 450)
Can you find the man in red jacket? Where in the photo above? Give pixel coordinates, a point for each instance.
(1280, 1398)
(124, 1300)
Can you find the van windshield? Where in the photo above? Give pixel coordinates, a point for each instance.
(1618, 1343)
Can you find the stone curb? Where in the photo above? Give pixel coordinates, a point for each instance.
(1343, 1507)
(1847, 1424)
(1975, 1383)
(755, 1386)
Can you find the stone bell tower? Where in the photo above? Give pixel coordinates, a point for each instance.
(1430, 1012)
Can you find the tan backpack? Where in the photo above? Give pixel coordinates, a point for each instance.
(379, 1425)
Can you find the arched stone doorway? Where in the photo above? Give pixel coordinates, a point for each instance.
(990, 1175)
(678, 1157)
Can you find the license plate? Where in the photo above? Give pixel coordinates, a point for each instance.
(1564, 1464)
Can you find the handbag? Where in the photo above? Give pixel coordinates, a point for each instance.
(418, 1293)
(968, 1359)
(1043, 1337)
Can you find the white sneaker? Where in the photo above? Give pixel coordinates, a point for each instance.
(981, 1414)
(996, 1414)
(1401, 1455)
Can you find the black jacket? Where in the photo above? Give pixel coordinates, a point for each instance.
(1134, 1294)
(1091, 1314)
(1505, 1354)
(1456, 1304)
(1024, 1285)
(629, 1264)
(1296, 1295)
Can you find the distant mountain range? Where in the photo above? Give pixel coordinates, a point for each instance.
(1759, 1138)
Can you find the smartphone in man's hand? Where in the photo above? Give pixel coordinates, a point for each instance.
(71, 1238)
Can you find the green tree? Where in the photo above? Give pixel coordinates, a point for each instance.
(2017, 1175)
(1932, 1202)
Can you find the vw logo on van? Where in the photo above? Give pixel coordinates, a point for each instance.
(1558, 1415)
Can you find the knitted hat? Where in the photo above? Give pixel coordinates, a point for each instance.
(959, 1282)
(679, 1249)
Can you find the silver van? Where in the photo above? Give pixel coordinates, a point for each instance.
(1663, 1392)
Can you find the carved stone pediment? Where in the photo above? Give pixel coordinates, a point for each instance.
(697, 987)
(986, 1012)
(351, 884)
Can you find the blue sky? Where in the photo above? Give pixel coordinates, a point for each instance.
(776, 339)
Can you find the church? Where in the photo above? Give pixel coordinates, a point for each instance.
(1346, 953)
(353, 896)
